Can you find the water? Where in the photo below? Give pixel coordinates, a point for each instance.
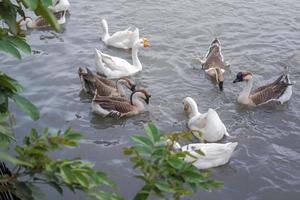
(261, 36)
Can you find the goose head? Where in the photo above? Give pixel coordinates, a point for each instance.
(27, 21)
(190, 106)
(215, 42)
(243, 76)
(143, 42)
(86, 72)
(141, 93)
(128, 83)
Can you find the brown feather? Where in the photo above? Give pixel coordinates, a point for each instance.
(268, 85)
(214, 58)
(272, 92)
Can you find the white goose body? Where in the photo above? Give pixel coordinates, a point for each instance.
(122, 39)
(59, 5)
(209, 123)
(216, 154)
(114, 67)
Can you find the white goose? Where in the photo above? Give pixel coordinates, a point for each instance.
(122, 39)
(215, 154)
(114, 67)
(209, 124)
(59, 5)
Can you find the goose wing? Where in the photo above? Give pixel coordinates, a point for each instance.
(121, 36)
(106, 81)
(270, 93)
(115, 63)
(121, 105)
(268, 85)
(214, 57)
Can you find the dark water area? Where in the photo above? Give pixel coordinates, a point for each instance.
(260, 36)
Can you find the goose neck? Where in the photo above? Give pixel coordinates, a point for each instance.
(193, 108)
(247, 89)
(137, 102)
(135, 60)
(120, 87)
(105, 34)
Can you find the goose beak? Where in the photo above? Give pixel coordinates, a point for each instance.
(221, 85)
(236, 80)
(146, 42)
(132, 87)
(147, 99)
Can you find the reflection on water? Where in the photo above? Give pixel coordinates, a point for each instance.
(261, 36)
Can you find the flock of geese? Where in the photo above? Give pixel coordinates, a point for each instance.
(110, 100)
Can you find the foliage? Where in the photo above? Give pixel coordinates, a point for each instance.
(10, 89)
(163, 170)
(11, 37)
(33, 166)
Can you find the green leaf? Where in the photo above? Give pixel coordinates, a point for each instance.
(23, 191)
(67, 174)
(56, 187)
(9, 48)
(152, 132)
(82, 180)
(73, 136)
(47, 3)
(165, 187)
(10, 84)
(8, 12)
(36, 191)
(19, 43)
(6, 134)
(176, 163)
(14, 160)
(143, 150)
(26, 106)
(142, 140)
(143, 193)
(32, 4)
(127, 151)
(47, 15)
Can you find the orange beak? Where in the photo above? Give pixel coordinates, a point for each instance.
(146, 42)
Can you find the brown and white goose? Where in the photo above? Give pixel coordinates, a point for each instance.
(40, 22)
(275, 93)
(118, 107)
(91, 82)
(213, 63)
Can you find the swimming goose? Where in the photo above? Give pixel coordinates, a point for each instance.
(105, 87)
(121, 39)
(214, 63)
(215, 154)
(59, 5)
(40, 22)
(118, 107)
(209, 124)
(114, 67)
(277, 92)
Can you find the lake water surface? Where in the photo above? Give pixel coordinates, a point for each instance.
(259, 35)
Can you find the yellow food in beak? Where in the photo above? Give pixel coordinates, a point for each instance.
(146, 42)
